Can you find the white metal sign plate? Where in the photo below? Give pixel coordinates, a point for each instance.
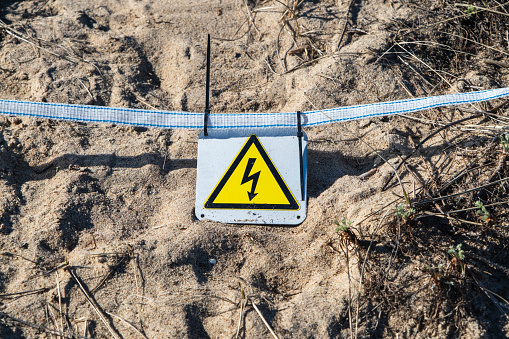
(252, 179)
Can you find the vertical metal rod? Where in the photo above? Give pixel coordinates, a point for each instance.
(207, 89)
(301, 160)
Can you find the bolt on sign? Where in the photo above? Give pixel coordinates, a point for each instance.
(252, 178)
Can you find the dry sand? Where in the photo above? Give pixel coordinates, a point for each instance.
(120, 199)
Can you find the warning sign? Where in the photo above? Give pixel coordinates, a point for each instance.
(252, 182)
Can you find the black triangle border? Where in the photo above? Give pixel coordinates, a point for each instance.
(253, 139)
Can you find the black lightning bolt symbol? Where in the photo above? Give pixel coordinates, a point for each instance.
(254, 177)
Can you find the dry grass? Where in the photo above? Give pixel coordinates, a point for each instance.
(415, 276)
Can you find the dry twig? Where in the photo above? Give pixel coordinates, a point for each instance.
(42, 328)
(263, 319)
(93, 303)
(23, 293)
(128, 324)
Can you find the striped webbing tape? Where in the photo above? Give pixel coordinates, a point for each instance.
(187, 120)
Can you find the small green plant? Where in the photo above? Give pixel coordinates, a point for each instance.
(457, 259)
(403, 211)
(345, 234)
(483, 212)
(470, 10)
(343, 225)
(504, 140)
(457, 252)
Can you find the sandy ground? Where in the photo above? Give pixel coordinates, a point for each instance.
(120, 199)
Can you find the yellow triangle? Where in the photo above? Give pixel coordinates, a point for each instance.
(252, 182)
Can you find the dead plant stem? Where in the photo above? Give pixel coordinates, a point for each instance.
(464, 192)
(128, 324)
(93, 303)
(362, 272)
(345, 250)
(350, 4)
(263, 319)
(60, 314)
(475, 42)
(39, 327)
(22, 293)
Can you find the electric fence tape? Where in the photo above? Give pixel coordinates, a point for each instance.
(186, 120)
